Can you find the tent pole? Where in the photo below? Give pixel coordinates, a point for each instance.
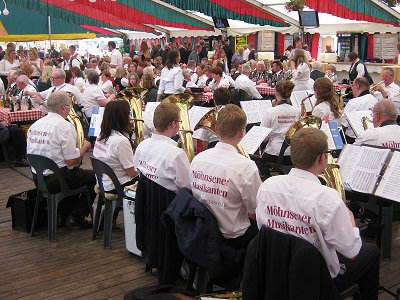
(49, 26)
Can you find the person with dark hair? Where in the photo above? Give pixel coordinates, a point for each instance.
(158, 158)
(218, 80)
(113, 145)
(300, 205)
(357, 68)
(54, 137)
(78, 80)
(11, 133)
(171, 76)
(233, 177)
(277, 72)
(105, 81)
(116, 56)
(93, 95)
(279, 118)
(327, 105)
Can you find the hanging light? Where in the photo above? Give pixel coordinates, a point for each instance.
(6, 12)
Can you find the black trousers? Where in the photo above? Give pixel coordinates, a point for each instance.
(75, 206)
(363, 270)
(17, 139)
(244, 240)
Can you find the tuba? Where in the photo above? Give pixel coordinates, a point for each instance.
(73, 118)
(209, 122)
(184, 102)
(331, 175)
(134, 97)
(364, 121)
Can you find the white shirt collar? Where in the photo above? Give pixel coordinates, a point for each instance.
(163, 138)
(304, 174)
(225, 146)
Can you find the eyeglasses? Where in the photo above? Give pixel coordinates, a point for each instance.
(54, 78)
(178, 121)
(327, 152)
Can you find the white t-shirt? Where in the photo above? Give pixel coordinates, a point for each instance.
(117, 153)
(386, 136)
(226, 183)
(54, 137)
(116, 58)
(243, 82)
(36, 72)
(91, 97)
(365, 102)
(171, 81)
(106, 86)
(5, 66)
(79, 82)
(63, 87)
(301, 76)
(160, 160)
(392, 89)
(279, 118)
(323, 110)
(299, 204)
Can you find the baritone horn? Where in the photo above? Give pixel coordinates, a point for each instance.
(331, 175)
(209, 122)
(184, 102)
(73, 118)
(134, 97)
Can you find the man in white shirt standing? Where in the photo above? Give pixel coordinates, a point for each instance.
(246, 52)
(226, 182)
(116, 56)
(388, 88)
(69, 61)
(243, 82)
(300, 205)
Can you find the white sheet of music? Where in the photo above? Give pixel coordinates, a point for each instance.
(254, 108)
(389, 187)
(327, 130)
(360, 171)
(151, 106)
(355, 120)
(95, 121)
(298, 96)
(253, 139)
(196, 113)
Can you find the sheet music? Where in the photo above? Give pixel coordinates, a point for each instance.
(196, 113)
(360, 171)
(355, 121)
(254, 109)
(151, 106)
(389, 187)
(253, 139)
(327, 130)
(95, 121)
(298, 96)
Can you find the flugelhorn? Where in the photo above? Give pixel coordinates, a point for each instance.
(331, 175)
(184, 102)
(209, 122)
(373, 86)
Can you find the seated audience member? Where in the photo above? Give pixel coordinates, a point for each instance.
(59, 144)
(77, 78)
(148, 83)
(105, 82)
(44, 81)
(93, 95)
(386, 132)
(238, 56)
(221, 97)
(199, 78)
(259, 75)
(236, 70)
(243, 82)
(113, 145)
(119, 84)
(158, 158)
(233, 177)
(363, 100)
(322, 217)
(15, 135)
(388, 89)
(277, 72)
(316, 71)
(134, 80)
(218, 80)
(95, 65)
(331, 73)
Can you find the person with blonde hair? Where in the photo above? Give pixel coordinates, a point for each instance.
(35, 62)
(69, 61)
(327, 105)
(300, 71)
(44, 81)
(8, 62)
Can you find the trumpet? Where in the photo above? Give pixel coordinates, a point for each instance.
(374, 86)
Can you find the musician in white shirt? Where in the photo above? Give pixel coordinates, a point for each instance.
(300, 71)
(243, 82)
(327, 106)
(388, 89)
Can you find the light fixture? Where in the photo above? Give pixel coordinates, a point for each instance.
(6, 12)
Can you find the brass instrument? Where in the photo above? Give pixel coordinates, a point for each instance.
(184, 102)
(341, 101)
(331, 175)
(209, 122)
(364, 121)
(373, 86)
(134, 96)
(73, 118)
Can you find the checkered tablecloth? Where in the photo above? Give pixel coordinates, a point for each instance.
(21, 115)
(265, 90)
(203, 97)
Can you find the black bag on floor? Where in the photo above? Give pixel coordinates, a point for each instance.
(22, 209)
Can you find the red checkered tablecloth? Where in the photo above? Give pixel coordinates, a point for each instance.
(265, 90)
(203, 96)
(21, 115)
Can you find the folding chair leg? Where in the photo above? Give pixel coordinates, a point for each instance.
(90, 205)
(39, 199)
(97, 217)
(387, 218)
(52, 217)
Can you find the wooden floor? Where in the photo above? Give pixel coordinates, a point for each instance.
(75, 267)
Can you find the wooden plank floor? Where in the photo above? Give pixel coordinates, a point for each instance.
(75, 267)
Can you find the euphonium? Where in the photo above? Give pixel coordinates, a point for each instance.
(373, 87)
(134, 97)
(209, 122)
(73, 118)
(331, 175)
(184, 102)
(364, 121)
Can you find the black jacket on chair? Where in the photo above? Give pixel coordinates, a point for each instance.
(283, 266)
(159, 250)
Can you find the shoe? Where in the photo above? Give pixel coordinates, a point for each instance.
(74, 223)
(21, 163)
